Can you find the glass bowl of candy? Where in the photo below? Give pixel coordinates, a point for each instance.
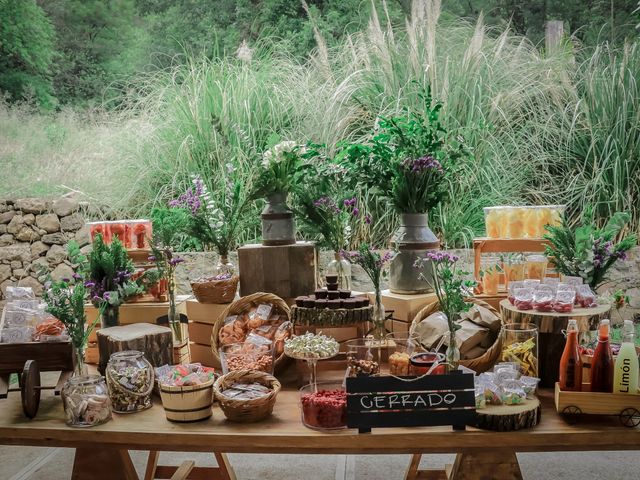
(323, 406)
(364, 357)
(404, 346)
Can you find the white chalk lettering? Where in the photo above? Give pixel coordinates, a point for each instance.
(420, 401)
(449, 398)
(365, 402)
(434, 399)
(379, 401)
(405, 400)
(393, 400)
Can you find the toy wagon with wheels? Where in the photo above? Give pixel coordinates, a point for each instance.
(28, 360)
(626, 406)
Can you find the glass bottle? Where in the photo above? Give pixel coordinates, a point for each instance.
(111, 316)
(625, 378)
(571, 363)
(224, 268)
(379, 331)
(602, 363)
(452, 354)
(85, 400)
(342, 268)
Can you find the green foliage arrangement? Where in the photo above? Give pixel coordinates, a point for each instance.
(587, 251)
(213, 221)
(409, 159)
(283, 167)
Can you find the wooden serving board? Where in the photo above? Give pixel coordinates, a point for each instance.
(508, 418)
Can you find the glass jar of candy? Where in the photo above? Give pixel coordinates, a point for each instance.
(86, 401)
(130, 380)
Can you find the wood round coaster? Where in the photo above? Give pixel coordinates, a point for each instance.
(508, 418)
(30, 388)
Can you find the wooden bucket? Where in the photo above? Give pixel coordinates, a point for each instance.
(187, 403)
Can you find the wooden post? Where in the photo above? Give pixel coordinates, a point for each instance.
(553, 33)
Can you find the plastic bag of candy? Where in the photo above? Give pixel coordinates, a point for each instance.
(543, 298)
(184, 375)
(523, 298)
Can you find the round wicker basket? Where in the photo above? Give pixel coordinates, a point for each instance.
(246, 410)
(216, 291)
(242, 305)
(483, 362)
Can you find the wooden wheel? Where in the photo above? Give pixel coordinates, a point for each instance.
(570, 413)
(630, 417)
(30, 388)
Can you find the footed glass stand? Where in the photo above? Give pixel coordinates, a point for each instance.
(312, 363)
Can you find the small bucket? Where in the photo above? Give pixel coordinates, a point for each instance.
(187, 403)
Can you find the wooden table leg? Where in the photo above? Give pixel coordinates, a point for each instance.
(412, 471)
(4, 386)
(152, 464)
(226, 470)
(103, 464)
(486, 466)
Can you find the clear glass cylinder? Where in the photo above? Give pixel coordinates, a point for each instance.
(323, 406)
(520, 345)
(490, 275)
(342, 269)
(86, 401)
(364, 357)
(452, 354)
(130, 380)
(403, 346)
(537, 267)
(224, 268)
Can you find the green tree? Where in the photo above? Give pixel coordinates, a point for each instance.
(26, 52)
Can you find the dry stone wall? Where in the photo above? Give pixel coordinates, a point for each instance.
(34, 232)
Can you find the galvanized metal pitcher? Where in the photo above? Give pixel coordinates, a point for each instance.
(278, 227)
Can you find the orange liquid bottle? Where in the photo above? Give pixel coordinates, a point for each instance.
(571, 363)
(602, 365)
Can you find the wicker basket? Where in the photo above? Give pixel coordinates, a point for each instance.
(246, 410)
(216, 291)
(483, 362)
(242, 305)
(187, 403)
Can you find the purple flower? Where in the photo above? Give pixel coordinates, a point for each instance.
(76, 276)
(355, 212)
(90, 284)
(151, 258)
(106, 296)
(66, 279)
(620, 255)
(175, 261)
(367, 219)
(422, 164)
(442, 257)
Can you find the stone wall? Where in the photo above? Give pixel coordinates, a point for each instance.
(35, 232)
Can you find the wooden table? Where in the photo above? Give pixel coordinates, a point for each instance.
(481, 454)
(551, 326)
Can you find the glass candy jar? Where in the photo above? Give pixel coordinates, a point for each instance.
(342, 269)
(86, 401)
(520, 345)
(130, 380)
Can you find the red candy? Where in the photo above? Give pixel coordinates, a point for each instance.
(325, 409)
(562, 307)
(543, 306)
(523, 304)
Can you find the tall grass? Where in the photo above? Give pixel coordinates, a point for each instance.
(544, 127)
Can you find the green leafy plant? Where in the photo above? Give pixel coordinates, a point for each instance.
(281, 169)
(587, 251)
(215, 221)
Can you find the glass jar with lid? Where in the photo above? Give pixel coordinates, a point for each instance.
(130, 380)
(86, 401)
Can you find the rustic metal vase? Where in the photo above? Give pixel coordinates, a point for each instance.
(278, 227)
(412, 240)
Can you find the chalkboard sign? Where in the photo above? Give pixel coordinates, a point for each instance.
(393, 402)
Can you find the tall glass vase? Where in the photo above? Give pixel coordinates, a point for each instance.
(342, 268)
(174, 315)
(79, 367)
(452, 354)
(225, 267)
(111, 316)
(379, 331)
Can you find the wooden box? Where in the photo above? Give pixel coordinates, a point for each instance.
(202, 354)
(137, 312)
(200, 333)
(405, 307)
(286, 271)
(207, 313)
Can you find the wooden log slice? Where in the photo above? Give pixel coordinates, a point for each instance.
(508, 418)
(155, 341)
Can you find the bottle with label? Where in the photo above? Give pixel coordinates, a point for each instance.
(602, 364)
(625, 379)
(571, 363)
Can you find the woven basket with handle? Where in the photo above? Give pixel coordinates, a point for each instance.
(246, 410)
(241, 306)
(216, 291)
(483, 362)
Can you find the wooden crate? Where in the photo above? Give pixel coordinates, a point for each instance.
(200, 333)
(205, 312)
(404, 307)
(137, 312)
(287, 271)
(202, 354)
(625, 405)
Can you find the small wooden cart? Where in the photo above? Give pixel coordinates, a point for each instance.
(625, 405)
(28, 359)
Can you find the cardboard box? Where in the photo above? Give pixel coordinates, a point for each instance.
(203, 354)
(205, 312)
(200, 333)
(405, 307)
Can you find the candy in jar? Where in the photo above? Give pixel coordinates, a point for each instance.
(130, 379)
(86, 401)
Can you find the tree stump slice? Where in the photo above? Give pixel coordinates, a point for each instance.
(508, 418)
(155, 341)
(551, 338)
